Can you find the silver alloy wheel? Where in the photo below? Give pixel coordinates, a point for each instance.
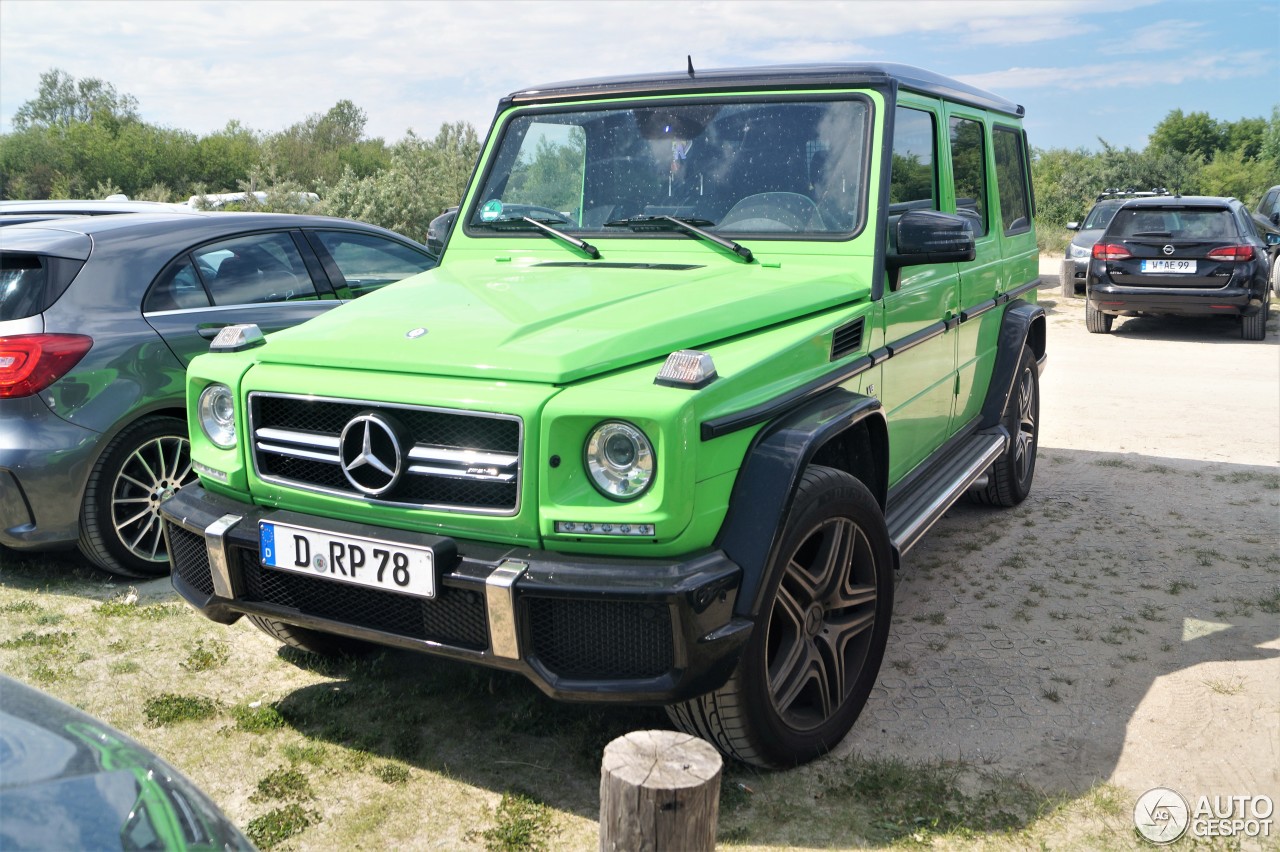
(149, 476)
(1024, 451)
(819, 631)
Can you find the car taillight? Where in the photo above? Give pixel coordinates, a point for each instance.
(1232, 253)
(29, 363)
(1110, 251)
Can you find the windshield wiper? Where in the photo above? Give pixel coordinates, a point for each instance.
(689, 226)
(544, 225)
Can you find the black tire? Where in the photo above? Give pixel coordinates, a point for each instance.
(120, 525)
(1255, 327)
(1096, 321)
(310, 641)
(813, 657)
(1009, 480)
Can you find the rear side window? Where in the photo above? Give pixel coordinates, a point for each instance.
(1011, 178)
(30, 283)
(969, 169)
(1174, 223)
(368, 261)
(177, 288)
(255, 269)
(1099, 217)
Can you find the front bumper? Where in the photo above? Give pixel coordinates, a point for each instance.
(581, 628)
(1223, 301)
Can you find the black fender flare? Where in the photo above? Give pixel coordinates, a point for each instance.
(1023, 322)
(770, 474)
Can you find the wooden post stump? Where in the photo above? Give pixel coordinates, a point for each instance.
(659, 792)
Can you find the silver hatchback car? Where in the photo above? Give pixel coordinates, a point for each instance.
(99, 317)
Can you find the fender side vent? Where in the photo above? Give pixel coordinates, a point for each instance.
(846, 339)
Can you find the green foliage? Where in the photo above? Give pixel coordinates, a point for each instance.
(283, 784)
(276, 826)
(257, 720)
(168, 708)
(423, 178)
(205, 657)
(521, 823)
(1233, 173)
(61, 101)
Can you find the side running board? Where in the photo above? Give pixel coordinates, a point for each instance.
(912, 512)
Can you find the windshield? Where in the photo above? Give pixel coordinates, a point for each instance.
(759, 167)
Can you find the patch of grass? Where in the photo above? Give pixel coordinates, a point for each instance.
(936, 645)
(58, 639)
(520, 824)
(124, 667)
(168, 708)
(1116, 463)
(202, 658)
(1051, 694)
(904, 666)
(274, 827)
(1110, 800)
(1270, 603)
(256, 720)
(43, 673)
(910, 802)
(1118, 634)
(121, 607)
(1177, 587)
(1270, 481)
(284, 785)
(313, 753)
(931, 618)
(23, 606)
(1227, 685)
(391, 773)
(1150, 611)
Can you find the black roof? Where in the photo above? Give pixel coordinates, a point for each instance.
(798, 76)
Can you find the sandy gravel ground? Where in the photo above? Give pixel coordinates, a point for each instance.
(1123, 624)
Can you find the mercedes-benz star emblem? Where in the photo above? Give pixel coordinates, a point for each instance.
(370, 453)
(1168, 249)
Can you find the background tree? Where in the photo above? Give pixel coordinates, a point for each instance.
(61, 101)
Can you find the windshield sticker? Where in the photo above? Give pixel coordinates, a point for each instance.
(491, 211)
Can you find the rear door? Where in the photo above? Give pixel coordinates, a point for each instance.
(981, 279)
(271, 278)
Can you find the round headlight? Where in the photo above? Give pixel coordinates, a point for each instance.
(217, 412)
(620, 460)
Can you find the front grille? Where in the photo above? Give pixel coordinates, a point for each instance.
(454, 460)
(594, 640)
(454, 617)
(190, 558)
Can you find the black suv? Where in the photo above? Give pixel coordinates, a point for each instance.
(1180, 256)
(1267, 217)
(1075, 263)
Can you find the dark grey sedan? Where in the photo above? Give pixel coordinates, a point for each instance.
(98, 319)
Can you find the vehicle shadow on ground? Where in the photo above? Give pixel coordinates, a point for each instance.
(1026, 640)
(1024, 643)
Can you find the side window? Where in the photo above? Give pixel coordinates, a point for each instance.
(255, 268)
(913, 183)
(368, 261)
(969, 168)
(1011, 179)
(1271, 204)
(176, 288)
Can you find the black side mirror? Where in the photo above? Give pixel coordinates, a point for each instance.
(1275, 218)
(439, 229)
(927, 236)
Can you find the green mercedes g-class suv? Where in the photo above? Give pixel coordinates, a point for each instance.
(707, 352)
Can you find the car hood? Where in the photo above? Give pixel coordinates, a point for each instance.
(558, 322)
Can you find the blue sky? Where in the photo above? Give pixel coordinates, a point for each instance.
(1083, 69)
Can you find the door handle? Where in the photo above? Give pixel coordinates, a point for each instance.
(209, 332)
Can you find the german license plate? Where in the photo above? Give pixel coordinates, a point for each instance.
(1164, 266)
(376, 564)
